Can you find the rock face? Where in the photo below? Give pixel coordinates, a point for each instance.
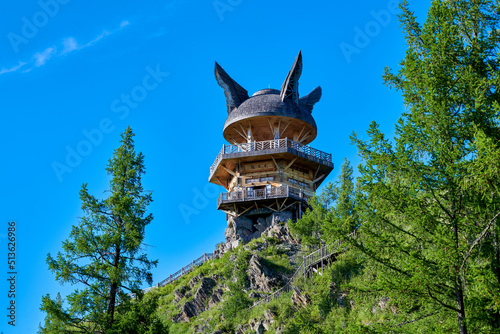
(202, 295)
(299, 299)
(262, 277)
(242, 229)
(216, 297)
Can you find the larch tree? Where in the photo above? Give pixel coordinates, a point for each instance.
(104, 252)
(430, 205)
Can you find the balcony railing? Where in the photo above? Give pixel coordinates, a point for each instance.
(243, 195)
(311, 153)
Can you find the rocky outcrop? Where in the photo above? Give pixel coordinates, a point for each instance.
(299, 299)
(216, 297)
(282, 233)
(260, 276)
(194, 307)
(241, 230)
(180, 293)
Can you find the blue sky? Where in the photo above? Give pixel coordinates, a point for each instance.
(74, 74)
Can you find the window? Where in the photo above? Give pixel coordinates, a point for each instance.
(268, 178)
(292, 181)
(304, 185)
(251, 180)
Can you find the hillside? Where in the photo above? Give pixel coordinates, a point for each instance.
(217, 297)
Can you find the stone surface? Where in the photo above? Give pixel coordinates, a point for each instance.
(180, 293)
(194, 307)
(260, 276)
(242, 229)
(216, 297)
(299, 299)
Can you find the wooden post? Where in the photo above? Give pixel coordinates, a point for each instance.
(204, 257)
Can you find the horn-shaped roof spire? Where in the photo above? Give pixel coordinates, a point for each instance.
(290, 88)
(235, 94)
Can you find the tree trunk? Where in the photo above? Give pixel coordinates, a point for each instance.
(496, 268)
(113, 289)
(462, 327)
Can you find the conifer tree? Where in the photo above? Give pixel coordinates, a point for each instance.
(331, 216)
(430, 204)
(103, 254)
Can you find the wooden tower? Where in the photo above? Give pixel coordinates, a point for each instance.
(268, 170)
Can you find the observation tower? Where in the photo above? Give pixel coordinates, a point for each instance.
(268, 169)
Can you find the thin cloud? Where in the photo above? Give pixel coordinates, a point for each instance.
(42, 57)
(12, 69)
(69, 45)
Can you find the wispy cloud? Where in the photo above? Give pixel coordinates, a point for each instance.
(68, 45)
(12, 69)
(41, 58)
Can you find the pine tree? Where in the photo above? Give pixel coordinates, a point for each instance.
(331, 216)
(341, 219)
(103, 254)
(430, 200)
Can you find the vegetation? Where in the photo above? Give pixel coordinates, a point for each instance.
(103, 254)
(419, 226)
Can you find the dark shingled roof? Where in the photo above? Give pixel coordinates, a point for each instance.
(267, 102)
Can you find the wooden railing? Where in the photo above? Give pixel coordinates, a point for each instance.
(242, 195)
(319, 255)
(311, 153)
(183, 271)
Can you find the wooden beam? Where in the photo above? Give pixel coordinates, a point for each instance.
(282, 132)
(319, 178)
(250, 130)
(229, 213)
(222, 184)
(229, 171)
(300, 133)
(305, 136)
(272, 128)
(276, 164)
(289, 206)
(245, 137)
(245, 211)
(317, 171)
(269, 207)
(283, 204)
(288, 166)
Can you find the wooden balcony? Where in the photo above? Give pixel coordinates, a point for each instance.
(269, 193)
(270, 147)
